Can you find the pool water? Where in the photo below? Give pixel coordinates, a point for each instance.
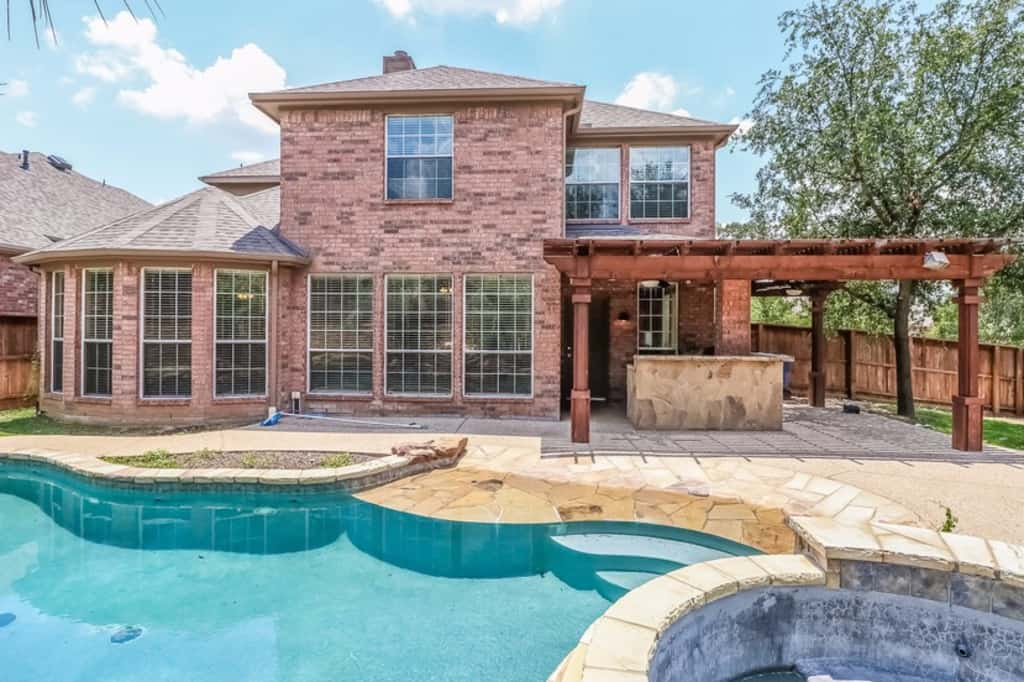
(106, 583)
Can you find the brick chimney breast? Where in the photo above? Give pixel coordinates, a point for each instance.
(399, 61)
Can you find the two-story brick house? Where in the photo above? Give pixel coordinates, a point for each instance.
(391, 261)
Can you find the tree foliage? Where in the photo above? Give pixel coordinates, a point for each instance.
(890, 122)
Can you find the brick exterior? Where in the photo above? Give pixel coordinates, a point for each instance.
(19, 288)
(732, 332)
(508, 197)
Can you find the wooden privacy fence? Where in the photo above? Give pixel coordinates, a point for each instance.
(862, 364)
(17, 350)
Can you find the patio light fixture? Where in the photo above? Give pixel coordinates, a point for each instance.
(936, 260)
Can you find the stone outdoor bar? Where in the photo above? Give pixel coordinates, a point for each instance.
(696, 392)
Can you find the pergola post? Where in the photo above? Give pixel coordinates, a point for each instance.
(580, 398)
(818, 370)
(967, 405)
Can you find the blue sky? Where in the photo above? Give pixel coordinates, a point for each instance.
(150, 107)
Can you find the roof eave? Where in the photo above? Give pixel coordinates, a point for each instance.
(13, 250)
(45, 256)
(271, 103)
(721, 133)
(238, 179)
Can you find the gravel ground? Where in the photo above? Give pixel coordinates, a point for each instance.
(260, 459)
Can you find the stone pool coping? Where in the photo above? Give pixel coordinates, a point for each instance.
(620, 645)
(352, 478)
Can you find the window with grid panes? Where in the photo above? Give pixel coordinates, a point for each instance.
(659, 182)
(341, 333)
(592, 184)
(57, 332)
(419, 157)
(166, 333)
(241, 333)
(97, 331)
(498, 321)
(418, 335)
(656, 317)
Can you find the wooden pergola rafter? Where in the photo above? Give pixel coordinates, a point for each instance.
(814, 267)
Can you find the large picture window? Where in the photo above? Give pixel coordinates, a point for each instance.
(97, 331)
(57, 332)
(241, 331)
(657, 315)
(166, 333)
(498, 353)
(592, 184)
(419, 157)
(418, 335)
(659, 182)
(341, 333)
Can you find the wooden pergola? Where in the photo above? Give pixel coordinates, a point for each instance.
(815, 267)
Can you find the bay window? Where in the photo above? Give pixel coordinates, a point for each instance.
(166, 333)
(241, 333)
(97, 331)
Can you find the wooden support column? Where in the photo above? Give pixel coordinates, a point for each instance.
(967, 406)
(580, 399)
(818, 373)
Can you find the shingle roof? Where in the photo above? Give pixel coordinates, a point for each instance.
(208, 220)
(431, 78)
(606, 231)
(44, 202)
(604, 115)
(253, 170)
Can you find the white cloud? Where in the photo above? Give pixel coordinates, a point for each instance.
(514, 12)
(745, 124)
(243, 156)
(27, 119)
(649, 90)
(17, 88)
(729, 92)
(128, 49)
(84, 97)
(682, 112)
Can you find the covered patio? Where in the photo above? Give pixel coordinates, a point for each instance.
(812, 267)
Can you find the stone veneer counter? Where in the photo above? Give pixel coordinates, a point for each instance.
(700, 392)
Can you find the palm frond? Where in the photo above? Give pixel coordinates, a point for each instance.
(39, 10)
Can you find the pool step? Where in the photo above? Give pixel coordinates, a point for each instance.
(598, 545)
(613, 584)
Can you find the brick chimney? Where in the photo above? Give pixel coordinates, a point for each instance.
(399, 61)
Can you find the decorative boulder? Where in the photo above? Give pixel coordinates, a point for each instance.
(445, 448)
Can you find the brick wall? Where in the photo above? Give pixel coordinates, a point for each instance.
(732, 334)
(508, 197)
(18, 288)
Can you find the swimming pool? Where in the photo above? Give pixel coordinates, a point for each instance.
(102, 582)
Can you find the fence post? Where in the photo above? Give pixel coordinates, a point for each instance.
(849, 362)
(1019, 381)
(995, 380)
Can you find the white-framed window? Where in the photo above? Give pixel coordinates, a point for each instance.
(419, 156)
(97, 331)
(341, 334)
(240, 355)
(166, 333)
(592, 177)
(57, 331)
(498, 335)
(418, 335)
(657, 315)
(659, 182)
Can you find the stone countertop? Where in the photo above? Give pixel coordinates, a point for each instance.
(706, 358)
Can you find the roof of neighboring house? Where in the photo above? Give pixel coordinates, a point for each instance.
(254, 172)
(208, 222)
(439, 77)
(43, 203)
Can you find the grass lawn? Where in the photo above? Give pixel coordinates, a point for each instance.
(23, 421)
(997, 432)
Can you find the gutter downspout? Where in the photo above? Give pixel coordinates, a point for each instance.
(275, 292)
(565, 142)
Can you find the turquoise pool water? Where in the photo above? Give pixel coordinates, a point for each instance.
(105, 583)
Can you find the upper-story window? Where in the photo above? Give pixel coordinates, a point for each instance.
(419, 157)
(592, 184)
(659, 182)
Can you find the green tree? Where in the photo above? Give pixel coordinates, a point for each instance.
(889, 122)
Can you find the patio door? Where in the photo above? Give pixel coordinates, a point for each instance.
(600, 328)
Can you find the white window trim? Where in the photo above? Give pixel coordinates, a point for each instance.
(421, 396)
(309, 335)
(266, 353)
(533, 340)
(110, 341)
(689, 181)
(387, 155)
(618, 186)
(674, 348)
(142, 335)
(53, 322)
